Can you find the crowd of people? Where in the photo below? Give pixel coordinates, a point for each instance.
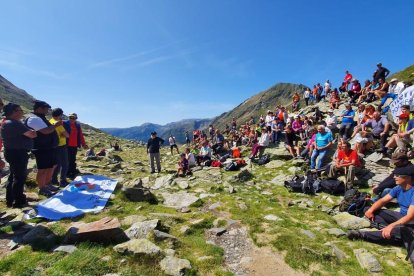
(53, 142)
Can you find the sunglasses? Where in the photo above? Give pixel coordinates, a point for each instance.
(402, 175)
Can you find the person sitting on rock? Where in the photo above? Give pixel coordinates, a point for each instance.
(403, 137)
(380, 128)
(102, 153)
(363, 141)
(398, 159)
(390, 222)
(334, 100)
(364, 92)
(190, 157)
(347, 162)
(371, 92)
(295, 102)
(90, 152)
(183, 166)
(323, 142)
(291, 142)
(332, 121)
(307, 152)
(382, 90)
(218, 142)
(260, 146)
(297, 126)
(347, 121)
(204, 153)
(355, 92)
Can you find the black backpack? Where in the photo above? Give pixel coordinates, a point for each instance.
(308, 184)
(354, 202)
(264, 159)
(333, 186)
(231, 167)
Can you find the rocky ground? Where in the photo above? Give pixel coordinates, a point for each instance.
(212, 223)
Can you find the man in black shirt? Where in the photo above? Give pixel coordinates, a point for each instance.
(153, 150)
(380, 73)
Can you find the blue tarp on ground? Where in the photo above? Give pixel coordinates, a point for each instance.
(85, 194)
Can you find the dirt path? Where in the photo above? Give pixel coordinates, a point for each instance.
(243, 257)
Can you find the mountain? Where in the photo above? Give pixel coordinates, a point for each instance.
(143, 132)
(279, 94)
(10, 93)
(406, 75)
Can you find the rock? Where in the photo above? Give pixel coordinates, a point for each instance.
(348, 221)
(174, 266)
(39, 237)
(338, 253)
(266, 193)
(185, 229)
(244, 175)
(214, 206)
(163, 182)
(272, 218)
(138, 247)
(179, 200)
(182, 184)
(116, 158)
(217, 231)
(169, 252)
(184, 210)
(374, 157)
(65, 248)
(280, 179)
(106, 230)
(336, 232)
(367, 260)
(140, 230)
(243, 206)
(159, 235)
(308, 233)
(140, 195)
(275, 164)
(129, 220)
(12, 245)
(295, 170)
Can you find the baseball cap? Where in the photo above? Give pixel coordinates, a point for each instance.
(406, 170)
(394, 79)
(153, 133)
(73, 115)
(40, 104)
(403, 116)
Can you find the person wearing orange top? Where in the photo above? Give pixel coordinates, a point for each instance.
(347, 161)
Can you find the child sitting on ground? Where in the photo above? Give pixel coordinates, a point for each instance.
(183, 167)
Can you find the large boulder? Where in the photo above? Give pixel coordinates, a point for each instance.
(141, 230)
(174, 266)
(275, 164)
(135, 191)
(40, 237)
(163, 182)
(106, 230)
(348, 221)
(138, 247)
(179, 200)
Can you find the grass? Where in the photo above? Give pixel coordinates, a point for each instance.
(301, 252)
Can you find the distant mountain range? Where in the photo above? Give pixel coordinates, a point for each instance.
(143, 132)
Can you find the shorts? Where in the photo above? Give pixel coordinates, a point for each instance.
(45, 158)
(173, 146)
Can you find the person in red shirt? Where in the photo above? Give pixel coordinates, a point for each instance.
(347, 162)
(347, 79)
(75, 141)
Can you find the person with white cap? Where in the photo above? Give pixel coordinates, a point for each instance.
(394, 89)
(331, 120)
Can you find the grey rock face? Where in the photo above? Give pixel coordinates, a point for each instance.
(348, 221)
(140, 230)
(367, 260)
(179, 200)
(174, 266)
(140, 247)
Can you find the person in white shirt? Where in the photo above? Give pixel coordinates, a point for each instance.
(331, 120)
(190, 157)
(263, 142)
(306, 96)
(394, 90)
(269, 119)
(173, 144)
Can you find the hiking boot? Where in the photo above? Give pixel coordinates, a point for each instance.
(354, 235)
(45, 192)
(20, 205)
(63, 183)
(52, 188)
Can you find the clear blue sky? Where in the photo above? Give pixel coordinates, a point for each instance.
(123, 63)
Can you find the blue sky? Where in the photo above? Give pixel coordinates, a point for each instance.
(123, 63)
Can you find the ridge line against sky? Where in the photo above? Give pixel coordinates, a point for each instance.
(123, 63)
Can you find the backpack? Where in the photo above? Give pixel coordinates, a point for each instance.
(240, 163)
(207, 163)
(308, 184)
(354, 202)
(407, 235)
(333, 186)
(264, 159)
(231, 167)
(224, 157)
(216, 163)
(236, 153)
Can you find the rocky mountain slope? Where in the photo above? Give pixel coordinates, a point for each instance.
(142, 133)
(258, 104)
(10, 93)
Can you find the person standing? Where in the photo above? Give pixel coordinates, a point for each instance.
(61, 150)
(44, 147)
(17, 139)
(380, 73)
(187, 138)
(173, 144)
(153, 150)
(75, 141)
(306, 96)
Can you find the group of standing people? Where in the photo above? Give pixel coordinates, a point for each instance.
(53, 142)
